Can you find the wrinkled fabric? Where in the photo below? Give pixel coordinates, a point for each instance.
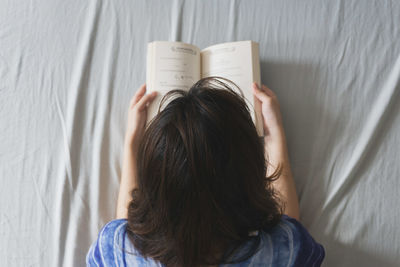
(287, 244)
(69, 68)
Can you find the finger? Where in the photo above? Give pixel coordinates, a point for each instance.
(147, 99)
(138, 95)
(268, 91)
(262, 96)
(255, 85)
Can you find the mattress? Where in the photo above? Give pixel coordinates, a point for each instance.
(69, 68)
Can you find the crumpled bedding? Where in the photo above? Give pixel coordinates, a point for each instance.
(69, 68)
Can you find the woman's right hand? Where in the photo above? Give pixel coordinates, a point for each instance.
(272, 118)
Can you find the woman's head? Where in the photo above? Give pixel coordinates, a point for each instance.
(202, 182)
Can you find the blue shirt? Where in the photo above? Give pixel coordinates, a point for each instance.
(287, 244)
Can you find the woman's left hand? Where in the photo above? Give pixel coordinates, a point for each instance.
(137, 117)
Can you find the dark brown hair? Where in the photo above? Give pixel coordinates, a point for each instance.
(202, 184)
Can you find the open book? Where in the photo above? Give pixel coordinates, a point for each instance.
(176, 65)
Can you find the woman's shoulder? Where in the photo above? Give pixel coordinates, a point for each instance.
(111, 233)
(113, 248)
(290, 244)
(113, 227)
(101, 251)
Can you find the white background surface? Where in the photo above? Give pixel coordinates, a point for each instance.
(69, 68)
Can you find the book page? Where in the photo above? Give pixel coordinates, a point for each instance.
(170, 65)
(238, 62)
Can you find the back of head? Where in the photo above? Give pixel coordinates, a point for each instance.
(202, 184)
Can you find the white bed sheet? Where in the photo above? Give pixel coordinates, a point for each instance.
(69, 68)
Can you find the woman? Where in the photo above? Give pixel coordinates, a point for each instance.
(200, 188)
